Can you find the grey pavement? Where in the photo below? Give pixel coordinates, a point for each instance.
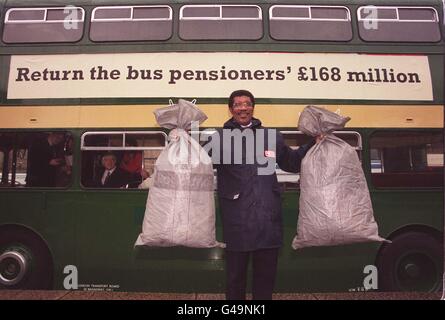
(101, 295)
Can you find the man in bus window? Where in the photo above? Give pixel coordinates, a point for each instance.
(44, 160)
(131, 162)
(249, 198)
(64, 172)
(111, 176)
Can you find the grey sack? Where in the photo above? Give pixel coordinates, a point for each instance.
(180, 208)
(335, 206)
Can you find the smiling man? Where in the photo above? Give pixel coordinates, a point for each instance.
(250, 200)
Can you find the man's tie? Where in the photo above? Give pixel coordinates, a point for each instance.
(107, 177)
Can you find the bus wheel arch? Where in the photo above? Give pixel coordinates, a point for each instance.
(25, 259)
(413, 261)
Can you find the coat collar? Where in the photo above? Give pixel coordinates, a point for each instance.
(232, 124)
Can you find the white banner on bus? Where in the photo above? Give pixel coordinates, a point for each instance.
(216, 74)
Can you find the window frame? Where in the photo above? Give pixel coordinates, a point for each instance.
(359, 18)
(271, 17)
(281, 173)
(259, 19)
(15, 150)
(347, 20)
(388, 132)
(359, 146)
(220, 18)
(84, 148)
(7, 21)
(123, 147)
(131, 19)
(43, 22)
(94, 19)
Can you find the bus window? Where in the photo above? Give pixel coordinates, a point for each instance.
(34, 25)
(403, 24)
(407, 159)
(297, 138)
(131, 153)
(220, 22)
(104, 140)
(292, 22)
(35, 159)
(131, 23)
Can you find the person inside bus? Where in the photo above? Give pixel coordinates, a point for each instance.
(111, 176)
(44, 160)
(132, 163)
(64, 172)
(250, 204)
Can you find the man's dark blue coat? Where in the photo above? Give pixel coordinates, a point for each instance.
(250, 203)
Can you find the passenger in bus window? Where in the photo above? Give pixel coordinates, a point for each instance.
(44, 160)
(132, 163)
(250, 201)
(65, 171)
(111, 176)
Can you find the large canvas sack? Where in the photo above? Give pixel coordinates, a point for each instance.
(180, 208)
(335, 206)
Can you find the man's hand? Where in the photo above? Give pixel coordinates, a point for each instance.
(319, 138)
(55, 162)
(144, 174)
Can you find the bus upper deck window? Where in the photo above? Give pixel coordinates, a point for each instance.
(39, 25)
(323, 23)
(131, 23)
(220, 22)
(399, 24)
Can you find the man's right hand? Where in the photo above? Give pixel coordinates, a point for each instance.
(319, 138)
(55, 162)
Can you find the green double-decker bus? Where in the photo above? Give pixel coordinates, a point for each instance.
(82, 79)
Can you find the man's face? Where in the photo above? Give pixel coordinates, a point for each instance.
(109, 162)
(242, 110)
(56, 138)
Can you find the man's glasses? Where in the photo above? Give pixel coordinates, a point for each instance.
(242, 104)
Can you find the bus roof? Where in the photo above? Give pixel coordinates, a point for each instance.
(22, 3)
